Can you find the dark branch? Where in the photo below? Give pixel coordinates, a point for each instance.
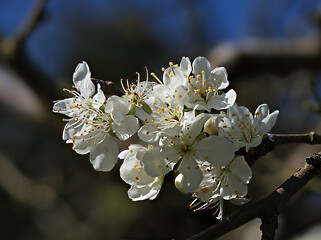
(273, 140)
(269, 207)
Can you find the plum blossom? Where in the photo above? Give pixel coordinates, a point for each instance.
(220, 183)
(83, 106)
(175, 115)
(189, 149)
(174, 83)
(96, 137)
(142, 186)
(243, 129)
(205, 85)
(165, 119)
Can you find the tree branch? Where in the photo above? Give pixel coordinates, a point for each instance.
(271, 141)
(269, 207)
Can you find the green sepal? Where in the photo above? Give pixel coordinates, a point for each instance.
(132, 110)
(147, 108)
(200, 136)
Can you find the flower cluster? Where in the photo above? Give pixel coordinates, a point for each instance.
(181, 122)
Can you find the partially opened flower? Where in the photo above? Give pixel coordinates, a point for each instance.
(243, 129)
(142, 186)
(204, 87)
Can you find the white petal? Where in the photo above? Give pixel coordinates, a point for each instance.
(147, 192)
(220, 75)
(232, 186)
(185, 66)
(155, 164)
(72, 128)
(83, 144)
(148, 133)
(192, 174)
(192, 130)
(118, 107)
(99, 98)
(129, 170)
(103, 156)
(126, 128)
(82, 80)
(216, 149)
(240, 168)
(201, 64)
(268, 122)
(222, 101)
(239, 112)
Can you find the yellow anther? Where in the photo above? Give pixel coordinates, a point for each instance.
(198, 76)
(154, 103)
(190, 78)
(135, 166)
(197, 81)
(153, 120)
(180, 96)
(131, 150)
(171, 63)
(176, 65)
(163, 69)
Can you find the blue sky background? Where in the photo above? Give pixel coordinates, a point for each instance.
(177, 27)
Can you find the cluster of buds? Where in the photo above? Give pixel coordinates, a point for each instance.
(186, 122)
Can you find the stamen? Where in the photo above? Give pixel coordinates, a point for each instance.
(153, 74)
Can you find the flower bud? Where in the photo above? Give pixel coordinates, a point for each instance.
(210, 125)
(178, 183)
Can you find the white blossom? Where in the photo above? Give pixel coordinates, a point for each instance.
(243, 129)
(190, 152)
(205, 85)
(96, 139)
(223, 183)
(174, 83)
(142, 186)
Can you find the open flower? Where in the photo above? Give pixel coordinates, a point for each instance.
(165, 119)
(95, 137)
(174, 82)
(220, 183)
(205, 85)
(83, 106)
(244, 130)
(142, 186)
(190, 152)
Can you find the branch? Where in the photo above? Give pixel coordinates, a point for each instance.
(9, 47)
(273, 140)
(268, 208)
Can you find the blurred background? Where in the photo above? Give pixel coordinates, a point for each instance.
(271, 49)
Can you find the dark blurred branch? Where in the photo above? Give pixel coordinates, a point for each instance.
(268, 208)
(9, 47)
(23, 189)
(13, 55)
(259, 56)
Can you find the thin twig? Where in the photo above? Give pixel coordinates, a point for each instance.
(273, 140)
(272, 205)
